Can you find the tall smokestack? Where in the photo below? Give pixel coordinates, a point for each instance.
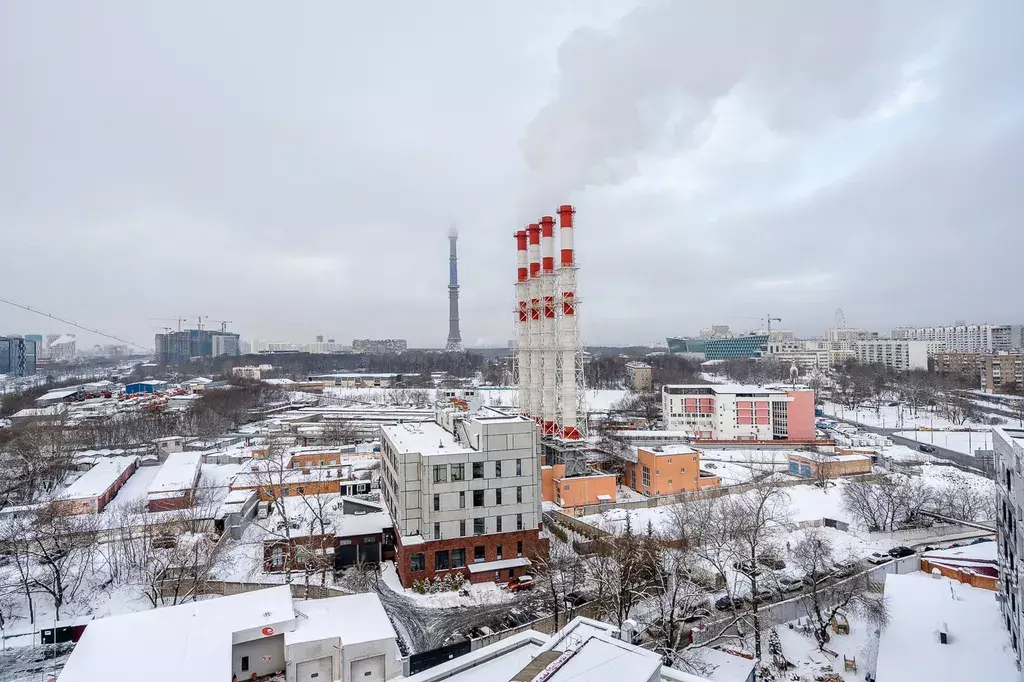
(522, 316)
(568, 333)
(549, 346)
(454, 337)
(536, 336)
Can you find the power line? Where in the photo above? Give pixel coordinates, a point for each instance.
(74, 324)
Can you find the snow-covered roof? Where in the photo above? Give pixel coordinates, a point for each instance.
(50, 411)
(498, 662)
(501, 565)
(99, 478)
(730, 389)
(326, 618)
(678, 449)
(425, 438)
(58, 394)
(719, 666)
(982, 551)
(919, 604)
(198, 634)
(179, 472)
(603, 658)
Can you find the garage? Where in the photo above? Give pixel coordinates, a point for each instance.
(368, 669)
(317, 670)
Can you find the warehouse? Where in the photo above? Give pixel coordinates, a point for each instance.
(98, 486)
(139, 387)
(175, 484)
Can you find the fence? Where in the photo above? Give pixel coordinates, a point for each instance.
(545, 625)
(228, 588)
(913, 536)
(791, 609)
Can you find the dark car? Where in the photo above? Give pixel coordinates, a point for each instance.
(771, 561)
(900, 552)
(726, 603)
(698, 614)
(748, 566)
(926, 448)
(762, 595)
(578, 598)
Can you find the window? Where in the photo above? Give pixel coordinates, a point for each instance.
(458, 558)
(245, 664)
(478, 469)
(519, 467)
(478, 527)
(519, 521)
(478, 554)
(437, 502)
(458, 472)
(462, 528)
(462, 499)
(497, 469)
(646, 477)
(497, 496)
(519, 495)
(478, 498)
(441, 560)
(511, 573)
(437, 531)
(440, 473)
(498, 548)
(416, 562)
(277, 557)
(519, 548)
(300, 489)
(498, 520)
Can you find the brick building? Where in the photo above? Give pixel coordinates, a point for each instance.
(996, 372)
(97, 487)
(175, 484)
(667, 470)
(829, 466)
(464, 494)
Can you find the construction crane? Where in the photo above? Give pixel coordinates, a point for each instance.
(179, 320)
(224, 325)
(199, 321)
(770, 320)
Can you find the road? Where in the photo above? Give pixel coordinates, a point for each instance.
(940, 452)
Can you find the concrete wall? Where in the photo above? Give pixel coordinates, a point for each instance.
(256, 650)
(582, 490)
(801, 415)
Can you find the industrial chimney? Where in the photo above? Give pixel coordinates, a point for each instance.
(454, 337)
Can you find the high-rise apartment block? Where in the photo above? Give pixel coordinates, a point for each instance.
(1009, 451)
(464, 494)
(17, 356)
(967, 338)
(175, 348)
(896, 354)
(735, 412)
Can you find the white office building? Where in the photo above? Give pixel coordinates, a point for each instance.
(463, 493)
(897, 354)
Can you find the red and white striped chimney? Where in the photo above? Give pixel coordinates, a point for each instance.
(522, 319)
(549, 345)
(567, 332)
(536, 339)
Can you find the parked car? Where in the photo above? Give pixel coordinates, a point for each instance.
(578, 597)
(924, 447)
(762, 595)
(790, 584)
(879, 558)
(771, 561)
(523, 582)
(981, 540)
(842, 569)
(726, 603)
(748, 566)
(816, 578)
(900, 552)
(700, 613)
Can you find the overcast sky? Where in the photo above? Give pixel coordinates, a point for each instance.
(295, 167)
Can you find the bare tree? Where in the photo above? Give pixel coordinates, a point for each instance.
(889, 503)
(623, 566)
(961, 499)
(336, 432)
(757, 517)
(14, 543)
(63, 548)
(826, 600)
(559, 573)
(677, 597)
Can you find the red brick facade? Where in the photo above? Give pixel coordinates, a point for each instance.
(533, 545)
(184, 500)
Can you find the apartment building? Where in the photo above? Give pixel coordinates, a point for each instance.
(639, 376)
(464, 493)
(996, 372)
(736, 412)
(899, 355)
(805, 355)
(967, 338)
(1009, 447)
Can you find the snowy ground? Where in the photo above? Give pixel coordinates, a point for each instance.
(596, 400)
(894, 417)
(477, 594)
(958, 441)
(802, 651)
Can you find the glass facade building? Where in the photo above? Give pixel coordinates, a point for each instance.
(17, 356)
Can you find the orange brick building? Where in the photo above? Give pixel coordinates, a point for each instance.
(668, 470)
(577, 490)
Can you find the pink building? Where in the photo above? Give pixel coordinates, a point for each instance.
(737, 412)
(98, 486)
